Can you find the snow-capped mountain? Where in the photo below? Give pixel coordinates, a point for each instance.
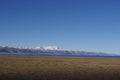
(49, 51)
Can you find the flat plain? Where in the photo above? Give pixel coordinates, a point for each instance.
(53, 68)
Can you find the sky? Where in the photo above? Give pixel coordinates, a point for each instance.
(87, 25)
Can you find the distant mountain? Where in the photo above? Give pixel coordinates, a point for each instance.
(12, 50)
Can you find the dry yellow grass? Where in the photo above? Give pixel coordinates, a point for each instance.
(49, 68)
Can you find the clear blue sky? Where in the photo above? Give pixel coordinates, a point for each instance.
(92, 25)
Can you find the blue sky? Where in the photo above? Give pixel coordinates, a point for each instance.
(92, 25)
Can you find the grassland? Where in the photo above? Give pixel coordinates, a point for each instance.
(48, 68)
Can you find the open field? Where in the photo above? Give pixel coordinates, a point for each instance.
(48, 68)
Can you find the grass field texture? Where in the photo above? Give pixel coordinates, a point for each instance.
(51, 68)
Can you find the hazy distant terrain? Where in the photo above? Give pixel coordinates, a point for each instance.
(12, 50)
(46, 68)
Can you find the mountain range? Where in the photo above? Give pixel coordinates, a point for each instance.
(13, 50)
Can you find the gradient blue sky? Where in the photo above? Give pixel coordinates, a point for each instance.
(92, 25)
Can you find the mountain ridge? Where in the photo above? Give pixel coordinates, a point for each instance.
(13, 50)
